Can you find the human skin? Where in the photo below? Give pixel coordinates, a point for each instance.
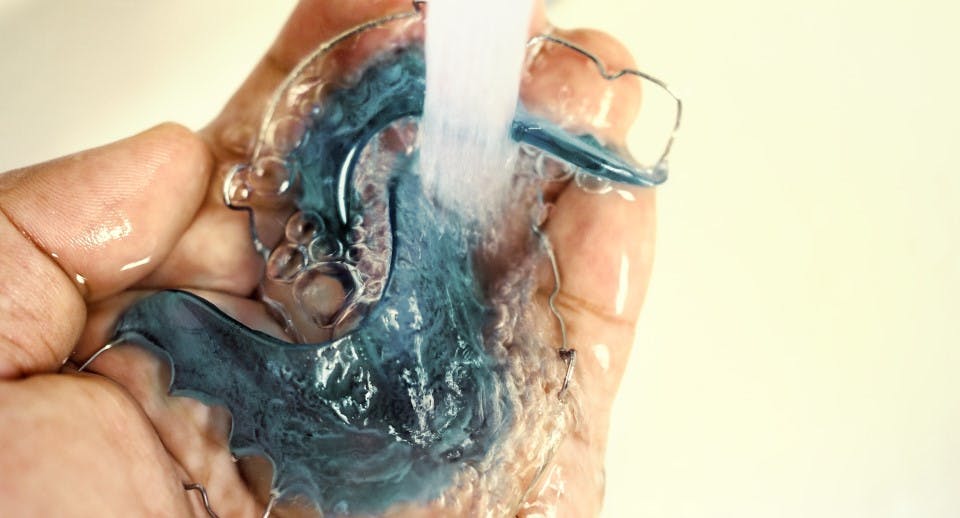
(110, 442)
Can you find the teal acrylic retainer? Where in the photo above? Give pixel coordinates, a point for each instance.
(391, 390)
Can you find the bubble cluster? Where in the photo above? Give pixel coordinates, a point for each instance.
(549, 168)
(266, 183)
(323, 268)
(322, 281)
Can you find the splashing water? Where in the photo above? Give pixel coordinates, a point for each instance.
(474, 53)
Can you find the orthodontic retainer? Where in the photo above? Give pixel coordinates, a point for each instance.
(398, 394)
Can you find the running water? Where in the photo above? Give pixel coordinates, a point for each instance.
(474, 59)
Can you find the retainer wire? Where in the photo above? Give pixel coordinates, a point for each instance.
(567, 354)
(203, 497)
(196, 486)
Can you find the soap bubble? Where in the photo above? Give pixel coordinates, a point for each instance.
(269, 177)
(593, 184)
(302, 228)
(285, 133)
(323, 248)
(285, 262)
(323, 289)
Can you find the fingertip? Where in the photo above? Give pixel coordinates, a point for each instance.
(183, 141)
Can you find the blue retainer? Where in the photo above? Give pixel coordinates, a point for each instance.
(391, 411)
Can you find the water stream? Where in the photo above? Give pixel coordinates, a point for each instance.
(474, 56)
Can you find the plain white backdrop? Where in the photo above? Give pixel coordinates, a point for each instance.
(798, 354)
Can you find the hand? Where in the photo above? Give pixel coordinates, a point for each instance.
(142, 214)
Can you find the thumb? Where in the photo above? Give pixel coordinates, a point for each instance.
(86, 226)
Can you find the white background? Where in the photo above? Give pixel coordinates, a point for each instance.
(798, 355)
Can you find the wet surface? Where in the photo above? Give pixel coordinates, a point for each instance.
(420, 376)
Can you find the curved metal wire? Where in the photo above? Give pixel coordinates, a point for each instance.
(196, 486)
(97, 354)
(602, 69)
(566, 353)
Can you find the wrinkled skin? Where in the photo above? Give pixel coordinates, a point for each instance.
(112, 443)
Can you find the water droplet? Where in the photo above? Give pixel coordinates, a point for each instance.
(236, 192)
(82, 284)
(626, 195)
(602, 353)
(269, 177)
(324, 248)
(285, 262)
(302, 228)
(307, 95)
(592, 183)
(661, 170)
(285, 134)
